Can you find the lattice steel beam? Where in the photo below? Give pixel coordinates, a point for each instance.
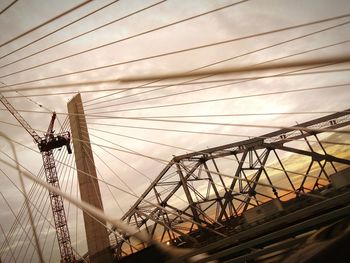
(207, 192)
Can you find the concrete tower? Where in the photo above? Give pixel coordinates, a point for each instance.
(96, 233)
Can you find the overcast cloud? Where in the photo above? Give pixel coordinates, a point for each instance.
(245, 19)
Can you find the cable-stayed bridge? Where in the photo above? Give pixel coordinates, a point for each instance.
(202, 198)
(202, 131)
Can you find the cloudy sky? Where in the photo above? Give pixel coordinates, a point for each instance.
(124, 48)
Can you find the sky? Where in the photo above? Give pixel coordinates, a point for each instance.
(240, 21)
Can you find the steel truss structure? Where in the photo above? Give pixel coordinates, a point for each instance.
(46, 145)
(58, 211)
(197, 196)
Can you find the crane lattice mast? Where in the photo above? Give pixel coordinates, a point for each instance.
(46, 145)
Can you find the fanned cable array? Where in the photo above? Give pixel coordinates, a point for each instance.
(195, 115)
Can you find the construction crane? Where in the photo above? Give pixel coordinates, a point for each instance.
(46, 145)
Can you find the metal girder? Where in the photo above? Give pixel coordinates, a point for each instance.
(307, 225)
(279, 247)
(239, 175)
(150, 188)
(188, 194)
(228, 197)
(257, 177)
(334, 121)
(274, 226)
(315, 156)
